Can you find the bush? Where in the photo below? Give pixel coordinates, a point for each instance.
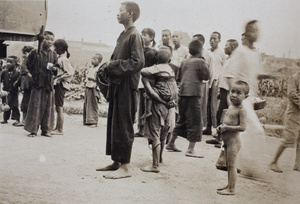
(273, 113)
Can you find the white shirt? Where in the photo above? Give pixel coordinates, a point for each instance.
(219, 59)
(179, 55)
(91, 73)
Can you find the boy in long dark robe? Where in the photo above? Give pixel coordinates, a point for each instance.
(123, 70)
(40, 110)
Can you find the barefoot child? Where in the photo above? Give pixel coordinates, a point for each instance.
(92, 94)
(163, 96)
(150, 53)
(189, 123)
(235, 120)
(292, 124)
(61, 82)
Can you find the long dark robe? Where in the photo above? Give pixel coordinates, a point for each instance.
(124, 72)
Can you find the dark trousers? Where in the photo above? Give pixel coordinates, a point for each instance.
(222, 105)
(208, 116)
(189, 123)
(141, 107)
(13, 102)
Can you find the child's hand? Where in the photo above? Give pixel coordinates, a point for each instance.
(170, 105)
(222, 128)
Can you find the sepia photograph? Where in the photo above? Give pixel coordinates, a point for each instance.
(162, 101)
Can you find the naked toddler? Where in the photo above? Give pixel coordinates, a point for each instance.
(235, 120)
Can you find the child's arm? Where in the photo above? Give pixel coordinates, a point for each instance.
(68, 70)
(205, 75)
(153, 94)
(237, 128)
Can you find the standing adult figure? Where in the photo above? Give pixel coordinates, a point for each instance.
(165, 37)
(246, 67)
(212, 102)
(40, 110)
(123, 70)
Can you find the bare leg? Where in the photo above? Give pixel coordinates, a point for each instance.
(273, 165)
(191, 152)
(59, 121)
(171, 145)
(297, 160)
(232, 175)
(112, 167)
(148, 105)
(123, 171)
(162, 145)
(155, 166)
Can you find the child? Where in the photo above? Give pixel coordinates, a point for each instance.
(292, 124)
(25, 83)
(40, 112)
(92, 94)
(62, 81)
(235, 120)
(164, 94)
(8, 77)
(150, 53)
(189, 123)
(123, 70)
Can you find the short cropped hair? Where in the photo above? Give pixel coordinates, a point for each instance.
(14, 58)
(200, 37)
(27, 49)
(195, 47)
(170, 48)
(217, 33)
(245, 86)
(48, 33)
(250, 23)
(233, 43)
(132, 7)
(163, 55)
(167, 30)
(99, 57)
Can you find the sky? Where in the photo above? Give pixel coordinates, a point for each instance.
(96, 20)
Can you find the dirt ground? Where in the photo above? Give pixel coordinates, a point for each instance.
(61, 169)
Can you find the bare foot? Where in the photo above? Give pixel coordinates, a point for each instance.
(154, 169)
(172, 148)
(296, 169)
(193, 154)
(275, 167)
(123, 171)
(223, 188)
(226, 192)
(56, 132)
(112, 167)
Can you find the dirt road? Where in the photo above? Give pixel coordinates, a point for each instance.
(61, 169)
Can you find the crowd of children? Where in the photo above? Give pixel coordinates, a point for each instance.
(180, 91)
